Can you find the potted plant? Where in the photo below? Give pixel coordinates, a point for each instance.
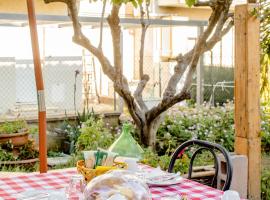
(11, 155)
(15, 132)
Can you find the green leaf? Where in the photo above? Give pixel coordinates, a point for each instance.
(190, 3)
(140, 1)
(134, 3)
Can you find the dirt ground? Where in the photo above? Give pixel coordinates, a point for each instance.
(31, 113)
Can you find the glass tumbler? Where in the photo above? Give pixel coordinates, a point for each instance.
(75, 188)
(230, 195)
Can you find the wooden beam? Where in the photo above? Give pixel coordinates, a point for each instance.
(19, 6)
(95, 21)
(247, 95)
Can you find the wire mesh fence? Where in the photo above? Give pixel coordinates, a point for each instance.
(217, 76)
(218, 85)
(65, 89)
(62, 90)
(73, 78)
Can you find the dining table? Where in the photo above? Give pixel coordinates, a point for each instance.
(11, 186)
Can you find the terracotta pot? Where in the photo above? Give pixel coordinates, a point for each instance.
(17, 139)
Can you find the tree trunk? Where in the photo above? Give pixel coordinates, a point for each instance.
(148, 131)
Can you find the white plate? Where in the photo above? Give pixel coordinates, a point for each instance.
(174, 181)
(42, 195)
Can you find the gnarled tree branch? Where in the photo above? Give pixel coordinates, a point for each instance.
(165, 104)
(216, 22)
(82, 40)
(134, 111)
(114, 21)
(107, 68)
(209, 45)
(183, 61)
(186, 64)
(219, 20)
(101, 24)
(139, 90)
(143, 34)
(217, 37)
(143, 77)
(120, 83)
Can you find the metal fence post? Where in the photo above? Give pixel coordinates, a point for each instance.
(199, 85)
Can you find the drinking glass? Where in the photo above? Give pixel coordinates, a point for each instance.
(75, 188)
(132, 164)
(230, 195)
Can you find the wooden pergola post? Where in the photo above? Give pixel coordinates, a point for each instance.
(247, 94)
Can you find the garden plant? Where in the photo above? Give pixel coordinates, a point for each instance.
(16, 149)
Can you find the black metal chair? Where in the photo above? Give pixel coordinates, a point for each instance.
(211, 147)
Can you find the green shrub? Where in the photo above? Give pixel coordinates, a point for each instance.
(9, 153)
(6, 155)
(152, 159)
(212, 124)
(265, 132)
(72, 130)
(171, 133)
(85, 115)
(30, 167)
(13, 127)
(94, 135)
(28, 151)
(265, 185)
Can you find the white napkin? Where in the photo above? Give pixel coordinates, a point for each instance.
(159, 175)
(157, 172)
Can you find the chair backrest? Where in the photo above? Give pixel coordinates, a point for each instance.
(204, 145)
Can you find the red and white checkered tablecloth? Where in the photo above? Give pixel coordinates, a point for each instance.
(10, 186)
(191, 189)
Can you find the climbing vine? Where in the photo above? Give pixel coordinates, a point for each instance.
(265, 50)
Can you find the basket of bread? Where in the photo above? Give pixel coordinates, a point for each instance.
(98, 162)
(117, 185)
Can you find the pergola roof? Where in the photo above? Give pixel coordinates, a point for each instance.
(19, 20)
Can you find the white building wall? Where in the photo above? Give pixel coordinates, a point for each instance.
(7, 84)
(59, 79)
